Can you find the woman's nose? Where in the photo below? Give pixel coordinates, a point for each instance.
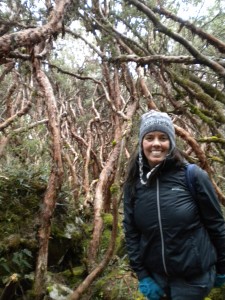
(156, 141)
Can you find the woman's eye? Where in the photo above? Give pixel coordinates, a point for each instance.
(149, 138)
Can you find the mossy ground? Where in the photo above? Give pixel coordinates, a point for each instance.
(119, 283)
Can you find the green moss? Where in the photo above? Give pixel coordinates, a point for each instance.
(77, 271)
(56, 230)
(107, 220)
(49, 289)
(114, 143)
(120, 248)
(105, 238)
(198, 112)
(217, 294)
(106, 235)
(117, 286)
(212, 139)
(206, 99)
(114, 189)
(209, 89)
(217, 159)
(200, 95)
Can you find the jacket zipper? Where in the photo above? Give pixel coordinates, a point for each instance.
(160, 228)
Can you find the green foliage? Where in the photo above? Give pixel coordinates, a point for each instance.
(4, 265)
(20, 195)
(22, 186)
(21, 261)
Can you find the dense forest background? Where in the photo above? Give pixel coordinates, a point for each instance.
(75, 76)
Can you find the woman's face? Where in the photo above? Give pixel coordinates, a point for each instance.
(156, 145)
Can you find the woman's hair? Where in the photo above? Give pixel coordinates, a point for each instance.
(132, 172)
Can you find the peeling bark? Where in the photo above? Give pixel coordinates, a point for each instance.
(54, 183)
(30, 37)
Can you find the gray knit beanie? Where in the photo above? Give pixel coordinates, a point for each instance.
(155, 121)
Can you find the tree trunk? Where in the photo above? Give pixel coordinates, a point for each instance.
(54, 183)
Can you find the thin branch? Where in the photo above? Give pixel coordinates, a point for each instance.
(20, 113)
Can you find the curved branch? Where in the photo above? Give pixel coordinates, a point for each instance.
(20, 113)
(201, 156)
(8, 67)
(30, 37)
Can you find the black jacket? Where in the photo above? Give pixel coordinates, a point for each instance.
(169, 232)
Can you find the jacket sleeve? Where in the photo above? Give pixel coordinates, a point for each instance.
(132, 236)
(211, 216)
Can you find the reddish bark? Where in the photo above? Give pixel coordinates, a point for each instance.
(100, 192)
(54, 183)
(100, 268)
(125, 133)
(30, 37)
(11, 119)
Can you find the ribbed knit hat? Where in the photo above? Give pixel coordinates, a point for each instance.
(155, 121)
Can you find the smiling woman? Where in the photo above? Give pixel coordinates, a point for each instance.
(174, 247)
(156, 139)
